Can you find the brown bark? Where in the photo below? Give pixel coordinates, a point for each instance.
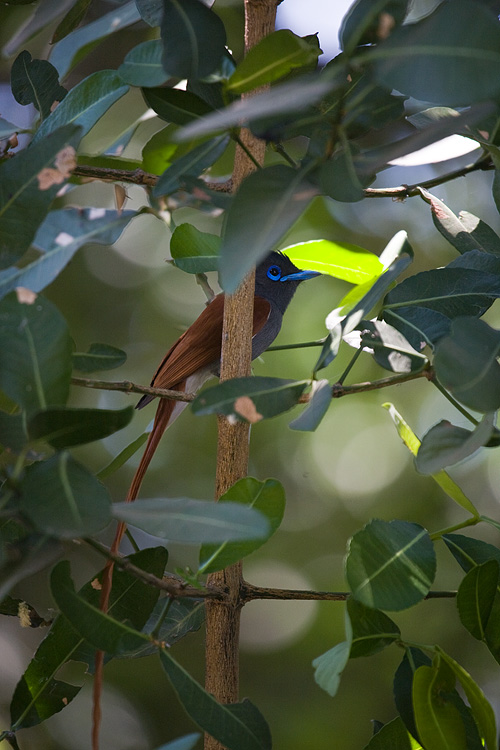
(223, 618)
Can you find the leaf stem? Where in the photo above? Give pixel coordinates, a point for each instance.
(469, 522)
(161, 619)
(453, 402)
(247, 151)
(350, 365)
(302, 345)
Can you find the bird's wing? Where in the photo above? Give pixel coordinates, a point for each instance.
(200, 346)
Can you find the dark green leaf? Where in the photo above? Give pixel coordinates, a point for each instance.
(36, 695)
(193, 37)
(238, 726)
(278, 195)
(371, 630)
(438, 721)
(35, 353)
(191, 164)
(466, 363)
(446, 57)
(339, 178)
(403, 685)
(99, 629)
(445, 444)
(151, 11)
(465, 231)
(368, 23)
(250, 399)
(13, 431)
(25, 557)
(99, 357)
(392, 736)
(274, 57)
(33, 176)
(85, 104)
(268, 498)
(193, 521)
(71, 20)
(194, 251)
(184, 616)
(63, 499)
(293, 96)
(390, 564)
(36, 82)
(59, 237)
(75, 46)
(118, 461)
(176, 106)
(142, 65)
(64, 426)
(469, 552)
(475, 597)
(320, 400)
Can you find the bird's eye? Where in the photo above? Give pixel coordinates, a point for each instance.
(274, 273)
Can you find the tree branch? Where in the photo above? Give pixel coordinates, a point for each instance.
(126, 386)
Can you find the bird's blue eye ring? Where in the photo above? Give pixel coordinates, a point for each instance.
(274, 273)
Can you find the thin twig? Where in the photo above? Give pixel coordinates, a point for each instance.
(126, 386)
(250, 592)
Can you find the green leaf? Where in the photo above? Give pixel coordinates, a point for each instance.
(445, 58)
(193, 38)
(466, 363)
(268, 497)
(342, 260)
(475, 597)
(184, 616)
(59, 237)
(371, 630)
(99, 629)
(283, 99)
(99, 357)
(319, 402)
(438, 721)
(390, 564)
(469, 552)
(278, 195)
(160, 151)
(8, 128)
(340, 178)
(193, 521)
(142, 66)
(75, 46)
(26, 555)
(64, 426)
(13, 431)
(194, 251)
(28, 184)
(151, 11)
(237, 726)
(38, 694)
(71, 20)
(118, 461)
(329, 666)
(250, 399)
(63, 499)
(367, 22)
(442, 478)
(85, 104)
(392, 736)
(176, 106)
(481, 709)
(275, 56)
(390, 348)
(465, 231)
(35, 353)
(403, 686)
(36, 82)
(192, 164)
(445, 444)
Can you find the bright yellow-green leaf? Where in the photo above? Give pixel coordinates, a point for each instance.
(442, 478)
(342, 260)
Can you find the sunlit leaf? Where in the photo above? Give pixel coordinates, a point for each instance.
(194, 251)
(438, 721)
(341, 260)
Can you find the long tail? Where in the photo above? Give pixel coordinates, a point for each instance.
(165, 414)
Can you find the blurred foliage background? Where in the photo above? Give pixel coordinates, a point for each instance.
(351, 469)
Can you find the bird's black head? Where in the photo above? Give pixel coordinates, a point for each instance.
(277, 278)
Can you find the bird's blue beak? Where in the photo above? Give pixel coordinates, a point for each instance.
(300, 276)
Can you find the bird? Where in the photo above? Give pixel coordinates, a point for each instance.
(195, 356)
